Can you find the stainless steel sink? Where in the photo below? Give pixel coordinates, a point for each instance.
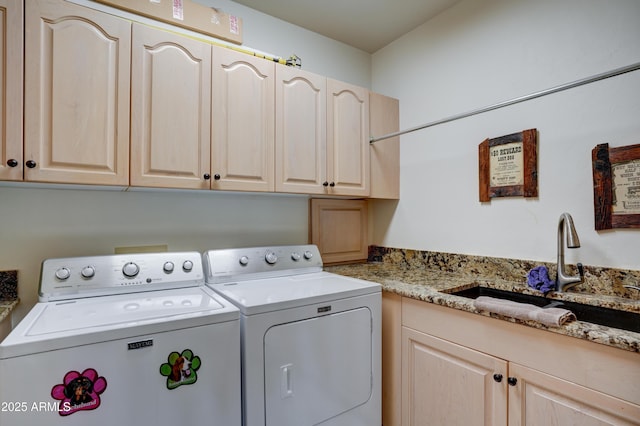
(594, 314)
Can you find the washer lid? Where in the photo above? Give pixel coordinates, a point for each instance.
(56, 325)
(271, 294)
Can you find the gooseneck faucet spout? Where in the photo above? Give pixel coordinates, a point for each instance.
(564, 281)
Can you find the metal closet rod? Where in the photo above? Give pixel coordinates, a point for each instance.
(560, 88)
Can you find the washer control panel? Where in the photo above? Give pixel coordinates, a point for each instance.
(225, 265)
(78, 277)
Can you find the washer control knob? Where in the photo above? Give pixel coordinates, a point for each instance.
(244, 261)
(63, 273)
(271, 258)
(88, 271)
(308, 255)
(130, 269)
(168, 267)
(295, 256)
(187, 266)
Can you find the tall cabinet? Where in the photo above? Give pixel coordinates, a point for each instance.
(11, 41)
(170, 110)
(77, 66)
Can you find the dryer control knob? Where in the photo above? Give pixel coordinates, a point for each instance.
(63, 273)
(130, 269)
(244, 261)
(308, 255)
(271, 258)
(295, 256)
(168, 267)
(88, 271)
(187, 266)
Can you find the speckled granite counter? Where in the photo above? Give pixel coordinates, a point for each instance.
(8, 293)
(410, 278)
(6, 307)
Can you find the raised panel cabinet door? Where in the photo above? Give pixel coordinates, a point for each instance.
(301, 126)
(11, 66)
(538, 399)
(447, 384)
(242, 151)
(170, 110)
(347, 139)
(77, 66)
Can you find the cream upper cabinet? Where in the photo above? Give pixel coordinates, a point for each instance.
(322, 135)
(11, 41)
(301, 128)
(242, 151)
(77, 67)
(448, 384)
(347, 139)
(170, 110)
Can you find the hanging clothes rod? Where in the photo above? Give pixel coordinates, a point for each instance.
(556, 89)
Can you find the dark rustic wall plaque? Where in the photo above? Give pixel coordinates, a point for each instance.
(616, 186)
(508, 166)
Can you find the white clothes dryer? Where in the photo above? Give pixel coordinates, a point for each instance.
(134, 339)
(311, 339)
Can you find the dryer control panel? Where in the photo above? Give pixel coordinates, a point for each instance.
(241, 264)
(79, 277)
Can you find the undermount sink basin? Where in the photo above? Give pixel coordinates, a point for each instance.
(594, 314)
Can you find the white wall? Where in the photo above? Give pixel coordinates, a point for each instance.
(36, 224)
(485, 51)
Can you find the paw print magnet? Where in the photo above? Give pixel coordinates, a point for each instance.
(181, 368)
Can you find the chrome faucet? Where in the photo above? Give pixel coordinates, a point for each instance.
(564, 281)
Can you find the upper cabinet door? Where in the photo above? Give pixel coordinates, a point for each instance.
(77, 65)
(242, 151)
(301, 126)
(170, 110)
(11, 41)
(347, 139)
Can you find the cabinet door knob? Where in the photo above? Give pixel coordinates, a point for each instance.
(30, 164)
(512, 381)
(216, 176)
(497, 377)
(325, 183)
(207, 176)
(332, 184)
(12, 163)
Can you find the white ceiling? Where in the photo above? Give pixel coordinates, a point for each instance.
(365, 24)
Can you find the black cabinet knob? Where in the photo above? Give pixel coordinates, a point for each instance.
(497, 377)
(512, 381)
(216, 176)
(325, 183)
(332, 184)
(12, 163)
(30, 164)
(207, 176)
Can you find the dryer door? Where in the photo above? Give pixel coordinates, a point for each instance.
(318, 368)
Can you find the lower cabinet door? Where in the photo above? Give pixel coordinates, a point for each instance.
(447, 384)
(540, 399)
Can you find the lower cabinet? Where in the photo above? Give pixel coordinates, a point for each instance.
(459, 368)
(448, 384)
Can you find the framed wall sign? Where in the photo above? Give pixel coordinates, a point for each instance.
(508, 166)
(616, 186)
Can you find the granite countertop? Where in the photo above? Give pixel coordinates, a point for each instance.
(433, 285)
(6, 307)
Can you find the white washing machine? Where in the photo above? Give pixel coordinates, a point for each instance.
(310, 339)
(134, 339)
